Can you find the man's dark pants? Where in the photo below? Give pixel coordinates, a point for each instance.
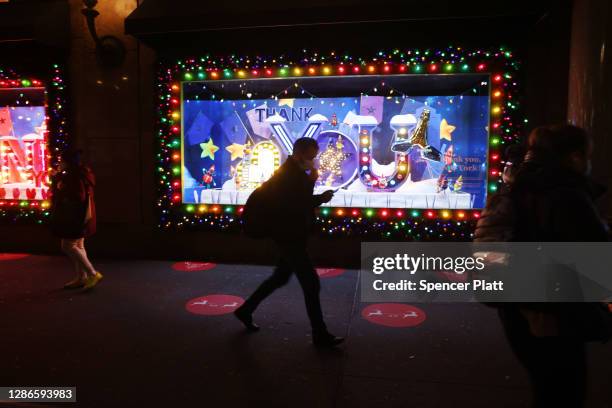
(293, 259)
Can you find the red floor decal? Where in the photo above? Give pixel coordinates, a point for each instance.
(329, 272)
(214, 304)
(12, 257)
(193, 266)
(393, 315)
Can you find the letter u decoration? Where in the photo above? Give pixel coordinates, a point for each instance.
(374, 182)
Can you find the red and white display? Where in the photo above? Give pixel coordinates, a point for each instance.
(24, 158)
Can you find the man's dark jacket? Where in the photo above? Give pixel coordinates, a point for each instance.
(290, 203)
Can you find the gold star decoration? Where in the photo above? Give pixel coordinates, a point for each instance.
(208, 149)
(446, 130)
(236, 150)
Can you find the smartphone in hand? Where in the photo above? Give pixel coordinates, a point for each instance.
(327, 195)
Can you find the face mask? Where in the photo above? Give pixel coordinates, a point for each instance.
(307, 164)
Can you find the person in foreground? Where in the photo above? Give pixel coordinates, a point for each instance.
(553, 197)
(73, 217)
(290, 205)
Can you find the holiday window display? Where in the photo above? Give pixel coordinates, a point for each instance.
(31, 137)
(375, 151)
(23, 152)
(420, 170)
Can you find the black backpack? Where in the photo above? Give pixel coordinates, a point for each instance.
(258, 213)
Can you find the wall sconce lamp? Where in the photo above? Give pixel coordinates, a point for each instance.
(110, 50)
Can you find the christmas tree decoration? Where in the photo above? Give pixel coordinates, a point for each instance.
(499, 67)
(330, 161)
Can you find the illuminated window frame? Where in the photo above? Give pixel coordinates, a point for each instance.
(38, 211)
(506, 123)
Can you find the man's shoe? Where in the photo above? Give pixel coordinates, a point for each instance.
(247, 319)
(326, 340)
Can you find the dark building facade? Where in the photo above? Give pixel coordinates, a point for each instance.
(111, 106)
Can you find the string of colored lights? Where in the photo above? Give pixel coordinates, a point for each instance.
(505, 127)
(37, 210)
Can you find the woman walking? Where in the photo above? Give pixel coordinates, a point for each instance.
(73, 217)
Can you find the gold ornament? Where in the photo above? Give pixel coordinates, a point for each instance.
(419, 135)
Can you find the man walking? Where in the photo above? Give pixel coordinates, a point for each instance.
(291, 188)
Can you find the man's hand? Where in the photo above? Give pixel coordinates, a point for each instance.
(327, 196)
